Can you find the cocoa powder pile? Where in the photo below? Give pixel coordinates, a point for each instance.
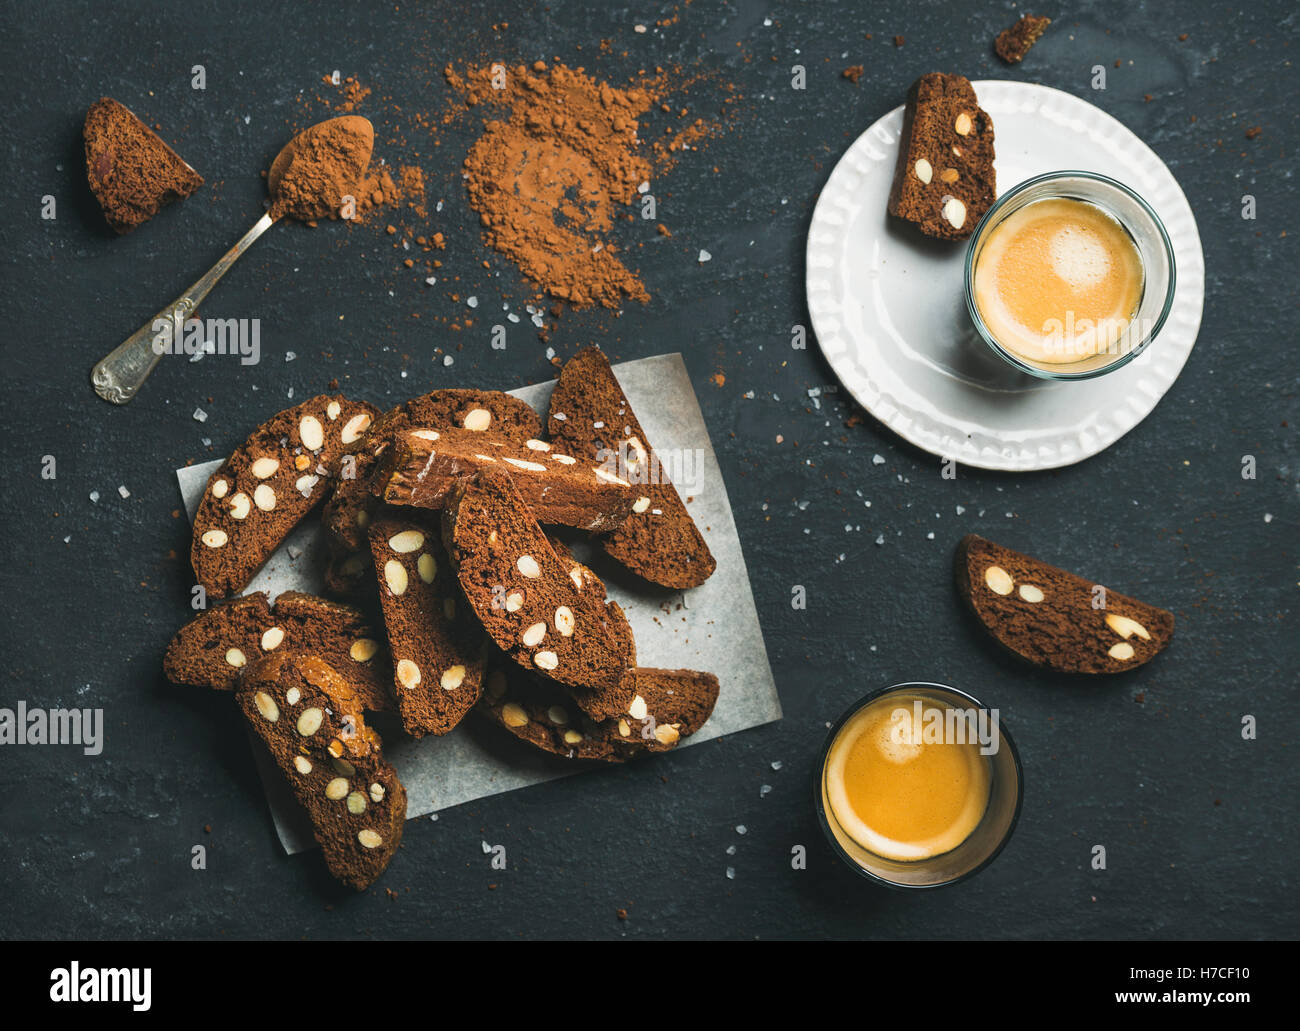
(549, 178)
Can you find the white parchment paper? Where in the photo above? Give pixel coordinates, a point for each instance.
(713, 627)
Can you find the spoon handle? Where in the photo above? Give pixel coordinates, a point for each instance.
(123, 371)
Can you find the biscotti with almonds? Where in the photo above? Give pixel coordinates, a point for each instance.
(262, 491)
(131, 171)
(437, 649)
(1054, 618)
(529, 600)
(944, 180)
(421, 466)
(304, 713)
(668, 705)
(215, 647)
(487, 412)
(590, 417)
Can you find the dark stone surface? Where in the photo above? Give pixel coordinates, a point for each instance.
(1198, 824)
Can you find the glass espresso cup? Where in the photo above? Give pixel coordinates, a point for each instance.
(961, 835)
(1144, 231)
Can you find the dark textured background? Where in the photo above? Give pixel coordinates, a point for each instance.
(1199, 825)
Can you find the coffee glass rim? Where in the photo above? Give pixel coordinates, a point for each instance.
(993, 212)
(1004, 737)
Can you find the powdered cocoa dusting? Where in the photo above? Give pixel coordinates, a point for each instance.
(320, 167)
(548, 179)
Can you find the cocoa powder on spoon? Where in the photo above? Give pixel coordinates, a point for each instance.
(321, 170)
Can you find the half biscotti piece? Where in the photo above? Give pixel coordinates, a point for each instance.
(944, 180)
(528, 599)
(1053, 618)
(213, 649)
(131, 171)
(668, 705)
(305, 714)
(421, 466)
(264, 489)
(489, 413)
(590, 417)
(437, 648)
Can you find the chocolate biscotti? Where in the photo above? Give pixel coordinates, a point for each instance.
(437, 649)
(1053, 618)
(303, 712)
(944, 179)
(1012, 44)
(590, 417)
(421, 466)
(668, 705)
(267, 486)
(214, 648)
(528, 600)
(131, 171)
(488, 412)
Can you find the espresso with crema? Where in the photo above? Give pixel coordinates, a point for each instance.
(898, 790)
(1058, 281)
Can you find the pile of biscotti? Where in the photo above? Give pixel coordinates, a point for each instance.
(449, 595)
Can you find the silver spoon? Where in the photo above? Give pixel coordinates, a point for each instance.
(121, 373)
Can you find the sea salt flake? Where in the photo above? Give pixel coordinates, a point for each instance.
(124, 492)
(705, 256)
(200, 415)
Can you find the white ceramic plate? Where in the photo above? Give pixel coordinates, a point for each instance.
(889, 313)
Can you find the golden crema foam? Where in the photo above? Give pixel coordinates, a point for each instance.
(898, 792)
(1058, 281)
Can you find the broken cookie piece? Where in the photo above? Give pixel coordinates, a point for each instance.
(131, 171)
(590, 417)
(304, 713)
(944, 180)
(1054, 618)
(1012, 44)
(262, 491)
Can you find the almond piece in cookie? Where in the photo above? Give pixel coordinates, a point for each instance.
(1054, 618)
(262, 491)
(590, 417)
(944, 179)
(304, 713)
